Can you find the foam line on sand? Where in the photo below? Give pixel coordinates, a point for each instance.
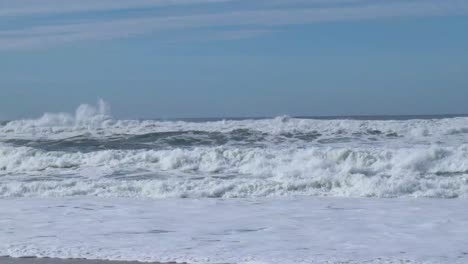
(34, 260)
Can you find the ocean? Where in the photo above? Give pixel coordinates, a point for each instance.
(382, 189)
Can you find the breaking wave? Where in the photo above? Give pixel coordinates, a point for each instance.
(237, 172)
(96, 122)
(90, 153)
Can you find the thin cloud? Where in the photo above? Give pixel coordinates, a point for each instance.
(251, 22)
(48, 7)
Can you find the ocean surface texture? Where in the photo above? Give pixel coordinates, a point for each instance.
(281, 190)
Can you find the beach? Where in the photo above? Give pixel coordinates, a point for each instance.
(32, 260)
(298, 230)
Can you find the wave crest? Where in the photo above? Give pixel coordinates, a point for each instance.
(85, 115)
(97, 122)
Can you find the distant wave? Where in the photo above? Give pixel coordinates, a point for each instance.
(97, 122)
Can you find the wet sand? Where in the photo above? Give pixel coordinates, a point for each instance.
(8, 260)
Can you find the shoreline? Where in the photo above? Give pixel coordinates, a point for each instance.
(298, 230)
(46, 260)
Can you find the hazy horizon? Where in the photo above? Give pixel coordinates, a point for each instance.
(217, 118)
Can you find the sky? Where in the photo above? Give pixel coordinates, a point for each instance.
(234, 58)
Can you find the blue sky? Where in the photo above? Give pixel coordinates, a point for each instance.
(218, 58)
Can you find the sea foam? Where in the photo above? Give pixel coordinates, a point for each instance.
(230, 172)
(90, 153)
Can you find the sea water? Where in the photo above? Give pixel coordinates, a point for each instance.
(272, 190)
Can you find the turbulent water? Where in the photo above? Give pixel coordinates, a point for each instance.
(87, 185)
(92, 154)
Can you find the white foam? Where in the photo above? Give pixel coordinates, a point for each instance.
(272, 231)
(237, 172)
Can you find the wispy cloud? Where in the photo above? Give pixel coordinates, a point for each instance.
(38, 7)
(244, 18)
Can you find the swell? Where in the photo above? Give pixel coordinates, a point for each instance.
(166, 140)
(120, 134)
(448, 131)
